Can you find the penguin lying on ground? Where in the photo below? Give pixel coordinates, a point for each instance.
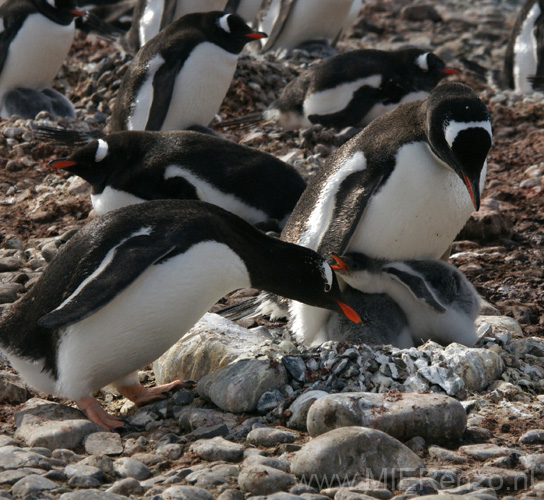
(35, 38)
(152, 16)
(132, 166)
(525, 50)
(401, 189)
(354, 88)
(437, 299)
(291, 23)
(181, 76)
(128, 285)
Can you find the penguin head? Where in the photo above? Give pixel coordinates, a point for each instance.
(458, 126)
(230, 31)
(60, 11)
(424, 68)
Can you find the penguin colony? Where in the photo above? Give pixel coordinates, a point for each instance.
(361, 241)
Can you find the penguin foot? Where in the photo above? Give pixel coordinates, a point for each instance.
(95, 413)
(140, 395)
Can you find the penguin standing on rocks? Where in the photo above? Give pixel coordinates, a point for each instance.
(525, 50)
(35, 37)
(401, 189)
(133, 166)
(181, 76)
(152, 16)
(127, 287)
(352, 89)
(439, 302)
(291, 23)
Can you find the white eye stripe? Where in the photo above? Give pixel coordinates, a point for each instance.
(223, 23)
(101, 150)
(422, 62)
(452, 129)
(51, 2)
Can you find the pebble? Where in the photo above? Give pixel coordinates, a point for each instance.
(186, 493)
(267, 437)
(126, 487)
(218, 448)
(103, 443)
(300, 407)
(128, 467)
(263, 480)
(32, 485)
(534, 436)
(484, 451)
(84, 476)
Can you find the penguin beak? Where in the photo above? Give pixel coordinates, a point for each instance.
(62, 163)
(340, 264)
(450, 71)
(77, 13)
(473, 188)
(350, 313)
(256, 35)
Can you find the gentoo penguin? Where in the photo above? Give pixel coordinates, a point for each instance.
(152, 16)
(133, 166)
(400, 189)
(128, 285)
(383, 321)
(35, 37)
(290, 23)
(180, 77)
(525, 50)
(438, 300)
(352, 89)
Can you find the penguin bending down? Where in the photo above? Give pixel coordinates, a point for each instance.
(525, 50)
(35, 37)
(152, 16)
(181, 76)
(133, 166)
(129, 284)
(439, 302)
(290, 23)
(401, 189)
(354, 88)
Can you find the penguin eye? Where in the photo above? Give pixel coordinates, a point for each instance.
(327, 287)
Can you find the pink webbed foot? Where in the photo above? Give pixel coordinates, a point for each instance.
(140, 395)
(95, 413)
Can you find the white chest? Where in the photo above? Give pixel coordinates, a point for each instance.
(525, 52)
(419, 210)
(111, 199)
(36, 54)
(200, 87)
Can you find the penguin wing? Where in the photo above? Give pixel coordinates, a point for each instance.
(286, 6)
(120, 266)
(351, 201)
(416, 285)
(163, 88)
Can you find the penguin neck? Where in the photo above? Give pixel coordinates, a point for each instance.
(96, 175)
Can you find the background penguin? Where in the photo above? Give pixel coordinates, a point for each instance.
(352, 89)
(131, 167)
(525, 51)
(439, 302)
(401, 189)
(180, 77)
(290, 23)
(246, 9)
(152, 16)
(35, 37)
(128, 285)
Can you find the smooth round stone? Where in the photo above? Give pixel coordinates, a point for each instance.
(103, 443)
(127, 486)
(276, 463)
(301, 406)
(31, 485)
(266, 436)
(218, 448)
(264, 480)
(534, 436)
(186, 493)
(128, 467)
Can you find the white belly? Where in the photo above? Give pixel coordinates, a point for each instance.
(112, 199)
(147, 318)
(418, 212)
(150, 22)
(312, 20)
(200, 87)
(525, 52)
(36, 54)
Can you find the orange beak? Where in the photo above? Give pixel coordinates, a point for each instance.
(470, 189)
(350, 313)
(62, 163)
(451, 71)
(77, 12)
(340, 264)
(256, 35)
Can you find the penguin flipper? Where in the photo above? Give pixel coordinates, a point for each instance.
(286, 6)
(65, 137)
(120, 266)
(416, 285)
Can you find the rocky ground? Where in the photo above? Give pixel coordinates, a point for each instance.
(476, 429)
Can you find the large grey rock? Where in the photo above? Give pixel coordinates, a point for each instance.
(51, 425)
(214, 342)
(13, 457)
(300, 407)
(238, 387)
(264, 480)
(477, 367)
(434, 417)
(218, 448)
(353, 452)
(32, 484)
(129, 467)
(484, 451)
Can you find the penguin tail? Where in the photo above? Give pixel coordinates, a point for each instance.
(93, 24)
(242, 120)
(264, 304)
(65, 137)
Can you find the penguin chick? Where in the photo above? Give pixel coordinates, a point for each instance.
(134, 166)
(438, 300)
(129, 284)
(181, 76)
(35, 37)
